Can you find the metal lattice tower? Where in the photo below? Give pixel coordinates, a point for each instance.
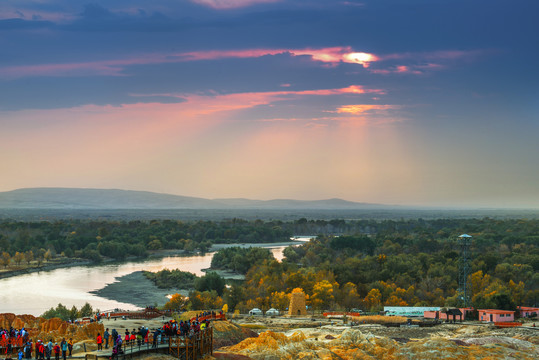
(465, 292)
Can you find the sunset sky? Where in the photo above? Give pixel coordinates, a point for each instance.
(413, 102)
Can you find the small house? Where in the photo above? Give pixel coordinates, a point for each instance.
(450, 314)
(526, 311)
(492, 315)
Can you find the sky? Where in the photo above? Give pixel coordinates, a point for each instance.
(408, 102)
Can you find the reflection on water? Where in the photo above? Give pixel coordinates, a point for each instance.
(37, 292)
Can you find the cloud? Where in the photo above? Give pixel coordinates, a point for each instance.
(417, 63)
(231, 4)
(21, 24)
(362, 108)
(116, 67)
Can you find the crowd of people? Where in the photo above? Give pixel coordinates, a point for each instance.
(19, 342)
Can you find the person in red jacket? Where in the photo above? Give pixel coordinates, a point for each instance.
(41, 351)
(99, 342)
(56, 349)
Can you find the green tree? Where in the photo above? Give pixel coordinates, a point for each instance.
(73, 313)
(210, 281)
(86, 310)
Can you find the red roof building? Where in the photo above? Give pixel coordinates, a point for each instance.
(526, 311)
(492, 315)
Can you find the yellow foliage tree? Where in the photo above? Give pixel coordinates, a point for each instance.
(516, 291)
(322, 296)
(176, 302)
(280, 300)
(349, 297)
(373, 300)
(479, 281)
(18, 258)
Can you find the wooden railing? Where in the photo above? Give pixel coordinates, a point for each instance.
(209, 317)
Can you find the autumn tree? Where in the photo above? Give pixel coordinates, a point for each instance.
(176, 302)
(18, 258)
(373, 300)
(29, 256)
(280, 300)
(322, 296)
(48, 255)
(349, 297)
(5, 259)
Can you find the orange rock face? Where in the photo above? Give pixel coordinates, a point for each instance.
(55, 329)
(353, 344)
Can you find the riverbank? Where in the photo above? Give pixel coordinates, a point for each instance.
(5, 273)
(155, 254)
(136, 289)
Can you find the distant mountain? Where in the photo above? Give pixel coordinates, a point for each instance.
(69, 198)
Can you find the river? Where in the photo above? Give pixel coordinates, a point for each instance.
(37, 292)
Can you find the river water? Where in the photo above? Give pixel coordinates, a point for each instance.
(37, 292)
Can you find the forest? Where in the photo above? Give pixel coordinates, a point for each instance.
(95, 240)
(391, 263)
(351, 263)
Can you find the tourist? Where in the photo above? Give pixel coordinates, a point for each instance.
(40, 352)
(114, 335)
(28, 350)
(99, 342)
(56, 351)
(63, 347)
(37, 348)
(48, 350)
(70, 346)
(106, 336)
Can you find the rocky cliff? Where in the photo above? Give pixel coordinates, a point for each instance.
(354, 344)
(55, 329)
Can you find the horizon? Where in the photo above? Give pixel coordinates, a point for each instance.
(424, 104)
(384, 205)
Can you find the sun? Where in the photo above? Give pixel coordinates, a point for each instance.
(360, 58)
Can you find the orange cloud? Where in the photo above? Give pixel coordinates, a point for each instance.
(116, 67)
(359, 109)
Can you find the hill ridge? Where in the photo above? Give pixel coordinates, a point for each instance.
(94, 198)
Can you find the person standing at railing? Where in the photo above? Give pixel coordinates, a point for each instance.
(99, 342)
(106, 336)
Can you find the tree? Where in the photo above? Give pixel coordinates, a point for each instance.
(29, 256)
(349, 297)
(176, 302)
(234, 296)
(18, 258)
(5, 259)
(210, 281)
(86, 310)
(280, 300)
(73, 313)
(373, 300)
(322, 296)
(60, 312)
(48, 255)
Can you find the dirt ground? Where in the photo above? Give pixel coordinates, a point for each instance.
(130, 324)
